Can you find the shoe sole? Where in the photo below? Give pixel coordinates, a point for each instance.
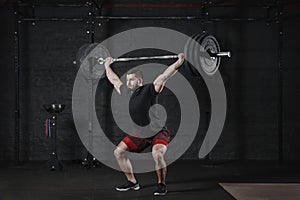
(127, 189)
(159, 194)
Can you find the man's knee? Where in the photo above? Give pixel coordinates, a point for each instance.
(158, 157)
(158, 154)
(118, 152)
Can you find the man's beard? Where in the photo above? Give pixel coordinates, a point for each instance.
(133, 88)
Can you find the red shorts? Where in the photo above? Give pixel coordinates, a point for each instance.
(136, 144)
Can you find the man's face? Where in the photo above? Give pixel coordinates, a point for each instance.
(132, 81)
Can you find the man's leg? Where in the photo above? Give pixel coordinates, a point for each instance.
(124, 162)
(158, 152)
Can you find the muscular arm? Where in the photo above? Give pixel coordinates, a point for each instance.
(161, 80)
(111, 75)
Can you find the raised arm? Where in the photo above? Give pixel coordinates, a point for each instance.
(111, 75)
(161, 80)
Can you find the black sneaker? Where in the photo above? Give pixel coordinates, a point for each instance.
(128, 186)
(161, 190)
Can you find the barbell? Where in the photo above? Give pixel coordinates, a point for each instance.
(208, 57)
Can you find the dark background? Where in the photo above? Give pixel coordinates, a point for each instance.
(262, 86)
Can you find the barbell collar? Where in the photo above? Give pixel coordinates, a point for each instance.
(220, 54)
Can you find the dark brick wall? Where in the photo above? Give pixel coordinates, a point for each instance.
(7, 85)
(291, 92)
(48, 50)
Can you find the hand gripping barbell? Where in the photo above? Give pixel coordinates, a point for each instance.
(207, 58)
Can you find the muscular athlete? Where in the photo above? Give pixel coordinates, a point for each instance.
(142, 97)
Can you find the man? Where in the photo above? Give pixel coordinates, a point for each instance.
(142, 97)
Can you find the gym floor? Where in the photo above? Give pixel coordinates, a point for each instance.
(185, 180)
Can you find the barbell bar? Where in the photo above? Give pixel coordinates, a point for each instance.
(212, 54)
